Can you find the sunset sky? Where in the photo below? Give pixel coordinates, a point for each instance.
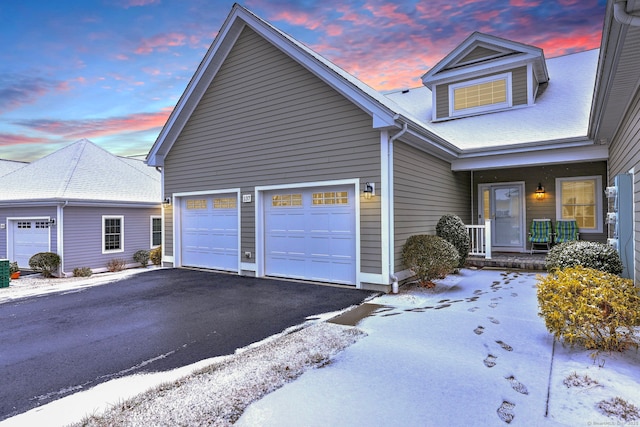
(112, 70)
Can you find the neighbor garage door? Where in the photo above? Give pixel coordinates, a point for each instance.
(29, 237)
(311, 234)
(209, 232)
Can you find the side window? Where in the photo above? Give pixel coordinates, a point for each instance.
(112, 234)
(156, 231)
(580, 198)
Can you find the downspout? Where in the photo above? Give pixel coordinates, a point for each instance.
(394, 278)
(60, 233)
(622, 16)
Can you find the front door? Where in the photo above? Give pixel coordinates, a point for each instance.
(504, 204)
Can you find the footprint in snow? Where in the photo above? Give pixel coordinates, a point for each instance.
(493, 305)
(505, 411)
(479, 330)
(490, 361)
(472, 309)
(517, 385)
(494, 320)
(496, 298)
(513, 294)
(504, 345)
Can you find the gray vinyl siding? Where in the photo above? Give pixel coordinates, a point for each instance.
(83, 235)
(546, 175)
(624, 157)
(26, 212)
(518, 90)
(425, 188)
(478, 54)
(266, 120)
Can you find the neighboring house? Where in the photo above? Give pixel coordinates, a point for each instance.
(84, 204)
(279, 163)
(615, 121)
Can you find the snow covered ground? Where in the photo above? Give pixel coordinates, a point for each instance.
(471, 351)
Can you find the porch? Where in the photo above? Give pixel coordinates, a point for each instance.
(481, 254)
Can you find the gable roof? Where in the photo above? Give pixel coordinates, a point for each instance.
(484, 52)
(452, 141)
(83, 172)
(383, 111)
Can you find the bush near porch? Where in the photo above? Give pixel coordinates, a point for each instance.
(429, 257)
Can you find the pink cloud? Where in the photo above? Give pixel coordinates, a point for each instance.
(486, 16)
(161, 42)
(94, 128)
(299, 18)
(9, 139)
(524, 3)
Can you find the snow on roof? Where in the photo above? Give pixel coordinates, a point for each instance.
(82, 171)
(561, 112)
(8, 166)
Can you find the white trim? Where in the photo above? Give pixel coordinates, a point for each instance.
(9, 229)
(151, 218)
(259, 218)
(248, 266)
(176, 202)
(386, 203)
(374, 278)
(483, 108)
(599, 201)
(121, 249)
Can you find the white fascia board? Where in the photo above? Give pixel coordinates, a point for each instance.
(481, 69)
(547, 156)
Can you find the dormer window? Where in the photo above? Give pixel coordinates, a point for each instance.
(480, 95)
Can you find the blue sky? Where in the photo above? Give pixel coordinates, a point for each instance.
(112, 70)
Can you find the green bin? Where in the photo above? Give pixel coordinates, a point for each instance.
(4, 273)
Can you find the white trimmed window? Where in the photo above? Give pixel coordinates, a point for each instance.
(112, 234)
(480, 95)
(580, 198)
(156, 231)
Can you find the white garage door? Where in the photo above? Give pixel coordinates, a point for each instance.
(29, 237)
(310, 234)
(210, 232)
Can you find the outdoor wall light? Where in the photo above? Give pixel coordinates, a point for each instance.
(166, 201)
(369, 190)
(540, 192)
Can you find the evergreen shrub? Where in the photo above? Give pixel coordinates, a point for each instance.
(593, 308)
(451, 228)
(429, 257)
(595, 255)
(45, 263)
(142, 257)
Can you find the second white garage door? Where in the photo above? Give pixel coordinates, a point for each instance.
(29, 238)
(311, 234)
(210, 232)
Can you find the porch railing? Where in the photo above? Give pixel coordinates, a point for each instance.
(480, 239)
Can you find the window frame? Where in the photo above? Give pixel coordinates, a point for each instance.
(151, 232)
(482, 108)
(598, 200)
(104, 232)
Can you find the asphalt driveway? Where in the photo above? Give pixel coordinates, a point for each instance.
(57, 344)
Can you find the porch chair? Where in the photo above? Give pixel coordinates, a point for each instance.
(540, 233)
(566, 230)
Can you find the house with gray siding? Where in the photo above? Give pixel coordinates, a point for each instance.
(278, 163)
(615, 122)
(83, 203)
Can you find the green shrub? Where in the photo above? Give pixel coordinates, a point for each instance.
(45, 263)
(587, 254)
(451, 228)
(13, 267)
(590, 307)
(116, 264)
(142, 257)
(155, 255)
(82, 272)
(429, 257)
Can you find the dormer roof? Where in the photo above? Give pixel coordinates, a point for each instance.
(484, 53)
